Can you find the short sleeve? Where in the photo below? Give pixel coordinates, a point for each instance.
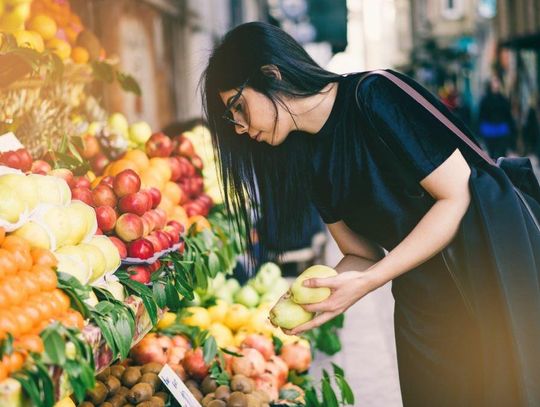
(322, 202)
(409, 129)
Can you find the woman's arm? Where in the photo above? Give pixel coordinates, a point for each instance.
(449, 185)
(350, 243)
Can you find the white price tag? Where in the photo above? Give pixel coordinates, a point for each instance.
(177, 387)
(9, 142)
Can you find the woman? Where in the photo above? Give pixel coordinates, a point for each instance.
(384, 173)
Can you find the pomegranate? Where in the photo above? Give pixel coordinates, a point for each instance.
(278, 368)
(297, 357)
(194, 365)
(148, 350)
(267, 384)
(260, 342)
(251, 364)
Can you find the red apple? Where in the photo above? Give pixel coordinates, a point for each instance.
(40, 167)
(197, 163)
(136, 203)
(182, 247)
(91, 147)
(152, 268)
(151, 218)
(122, 249)
(188, 170)
(139, 273)
(99, 162)
(147, 226)
(164, 239)
(184, 146)
(126, 182)
(177, 225)
(25, 159)
(159, 145)
(129, 227)
(150, 198)
(176, 169)
(103, 196)
(156, 242)
(82, 194)
(108, 181)
(106, 218)
(162, 216)
(65, 174)
(156, 196)
(141, 249)
(10, 159)
(81, 182)
(172, 233)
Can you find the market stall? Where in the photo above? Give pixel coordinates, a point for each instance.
(116, 255)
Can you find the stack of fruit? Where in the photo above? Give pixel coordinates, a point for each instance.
(13, 14)
(121, 385)
(29, 299)
(256, 370)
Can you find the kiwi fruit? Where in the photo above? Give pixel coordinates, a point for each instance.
(237, 399)
(117, 371)
(196, 393)
(102, 376)
(208, 385)
(222, 392)
(140, 392)
(130, 377)
(207, 399)
(122, 391)
(241, 383)
(112, 384)
(98, 394)
(252, 401)
(117, 401)
(217, 403)
(162, 395)
(152, 367)
(262, 396)
(191, 383)
(106, 404)
(85, 404)
(152, 379)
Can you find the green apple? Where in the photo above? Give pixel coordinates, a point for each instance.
(232, 285)
(11, 205)
(306, 295)
(118, 121)
(140, 132)
(287, 314)
(247, 296)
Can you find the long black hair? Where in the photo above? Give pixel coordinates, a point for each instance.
(273, 183)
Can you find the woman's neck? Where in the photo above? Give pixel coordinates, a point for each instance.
(310, 113)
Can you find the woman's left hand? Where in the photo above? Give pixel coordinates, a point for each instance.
(347, 288)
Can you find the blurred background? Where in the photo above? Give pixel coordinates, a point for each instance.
(453, 47)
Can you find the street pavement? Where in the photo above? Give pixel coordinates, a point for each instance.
(369, 351)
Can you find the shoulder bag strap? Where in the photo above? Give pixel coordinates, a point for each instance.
(428, 106)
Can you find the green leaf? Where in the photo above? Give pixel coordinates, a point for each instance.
(328, 342)
(338, 370)
(311, 398)
(329, 397)
(200, 276)
(55, 347)
(124, 337)
(278, 344)
(128, 83)
(230, 352)
(158, 289)
(347, 394)
(103, 71)
(209, 349)
(213, 264)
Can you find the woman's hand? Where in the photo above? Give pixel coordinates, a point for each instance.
(347, 288)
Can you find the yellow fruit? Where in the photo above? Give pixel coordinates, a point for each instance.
(109, 250)
(240, 336)
(44, 26)
(35, 234)
(219, 311)
(13, 20)
(11, 205)
(139, 158)
(172, 191)
(288, 314)
(60, 48)
(237, 316)
(79, 55)
(162, 166)
(29, 39)
(260, 323)
(65, 402)
(306, 295)
(97, 259)
(167, 320)
(24, 187)
(221, 334)
(199, 317)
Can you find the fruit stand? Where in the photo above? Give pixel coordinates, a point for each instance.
(117, 257)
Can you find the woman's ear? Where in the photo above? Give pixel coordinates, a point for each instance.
(272, 71)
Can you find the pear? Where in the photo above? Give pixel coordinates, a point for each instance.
(11, 206)
(306, 295)
(37, 235)
(287, 314)
(97, 259)
(23, 186)
(75, 266)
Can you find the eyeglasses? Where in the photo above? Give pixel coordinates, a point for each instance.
(228, 115)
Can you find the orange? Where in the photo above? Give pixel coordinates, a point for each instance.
(43, 256)
(43, 306)
(4, 303)
(30, 283)
(24, 321)
(200, 221)
(3, 372)
(117, 167)
(31, 343)
(73, 319)
(139, 158)
(14, 293)
(80, 55)
(22, 257)
(162, 166)
(59, 47)
(2, 235)
(62, 299)
(13, 362)
(55, 306)
(8, 324)
(8, 263)
(13, 241)
(33, 313)
(44, 26)
(46, 277)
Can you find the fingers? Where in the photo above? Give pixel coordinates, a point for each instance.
(329, 282)
(314, 323)
(323, 306)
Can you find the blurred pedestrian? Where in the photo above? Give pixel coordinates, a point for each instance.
(496, 124)
(531, 129)
(387, 167)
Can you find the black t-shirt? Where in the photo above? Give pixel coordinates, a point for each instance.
(357, 175)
